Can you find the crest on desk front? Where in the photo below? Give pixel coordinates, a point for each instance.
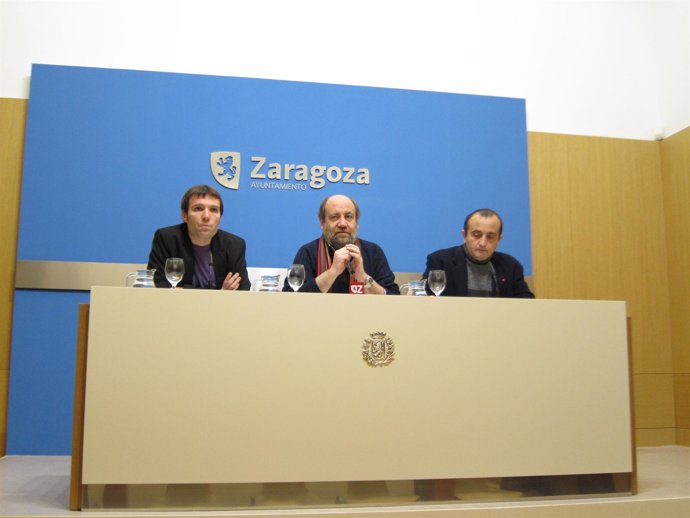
(378, 350)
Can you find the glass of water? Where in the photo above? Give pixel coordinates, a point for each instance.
(437, 281)
(295, 276)
(174, 270)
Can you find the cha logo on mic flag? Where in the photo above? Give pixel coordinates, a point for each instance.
(225, 166)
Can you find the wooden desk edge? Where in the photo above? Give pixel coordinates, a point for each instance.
(75, 493)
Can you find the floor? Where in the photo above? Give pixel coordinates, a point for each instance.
(39, 486)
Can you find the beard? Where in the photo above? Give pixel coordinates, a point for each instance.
(338, 241)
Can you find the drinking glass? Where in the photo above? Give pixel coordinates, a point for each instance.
(174, 270)
(437, 281)
(296, 276)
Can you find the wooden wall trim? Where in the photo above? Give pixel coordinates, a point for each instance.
(12, 128)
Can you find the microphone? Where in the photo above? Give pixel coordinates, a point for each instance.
(494, 280)
(212, 273)
(350, 268)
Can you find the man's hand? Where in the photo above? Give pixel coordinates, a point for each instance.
(341, 260)
(232, 281)
(356, 261)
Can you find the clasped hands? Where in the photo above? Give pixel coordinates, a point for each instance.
(349, 256)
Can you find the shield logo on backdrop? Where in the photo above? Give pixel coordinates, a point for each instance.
(225, 166)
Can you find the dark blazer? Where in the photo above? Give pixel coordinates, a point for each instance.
(510, 276)
(227, 251)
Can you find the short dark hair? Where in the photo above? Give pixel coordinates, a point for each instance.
(202, 191)
(322, 207)
(484, 213)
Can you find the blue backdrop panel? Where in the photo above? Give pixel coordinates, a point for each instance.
(43, 356)
(108, 154)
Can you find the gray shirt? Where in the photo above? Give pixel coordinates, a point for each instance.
(480, 279)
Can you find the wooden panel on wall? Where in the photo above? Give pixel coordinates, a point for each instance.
(675, 164)
(683, 436)
(4, 380)
(655, 436)
(675, 160)
(654, 406)
(598, 232)
(12, 124)
(681, 392)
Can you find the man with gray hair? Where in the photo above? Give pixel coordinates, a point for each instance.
(339, 261)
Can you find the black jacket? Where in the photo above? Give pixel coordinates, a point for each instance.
(510, 278)
(227, 251)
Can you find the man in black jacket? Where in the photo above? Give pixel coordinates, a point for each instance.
(475, 269)
(213, 258)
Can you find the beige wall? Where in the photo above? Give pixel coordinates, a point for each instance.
(599, 231)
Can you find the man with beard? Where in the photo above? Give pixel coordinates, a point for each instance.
(475, 269)
(340, 262)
